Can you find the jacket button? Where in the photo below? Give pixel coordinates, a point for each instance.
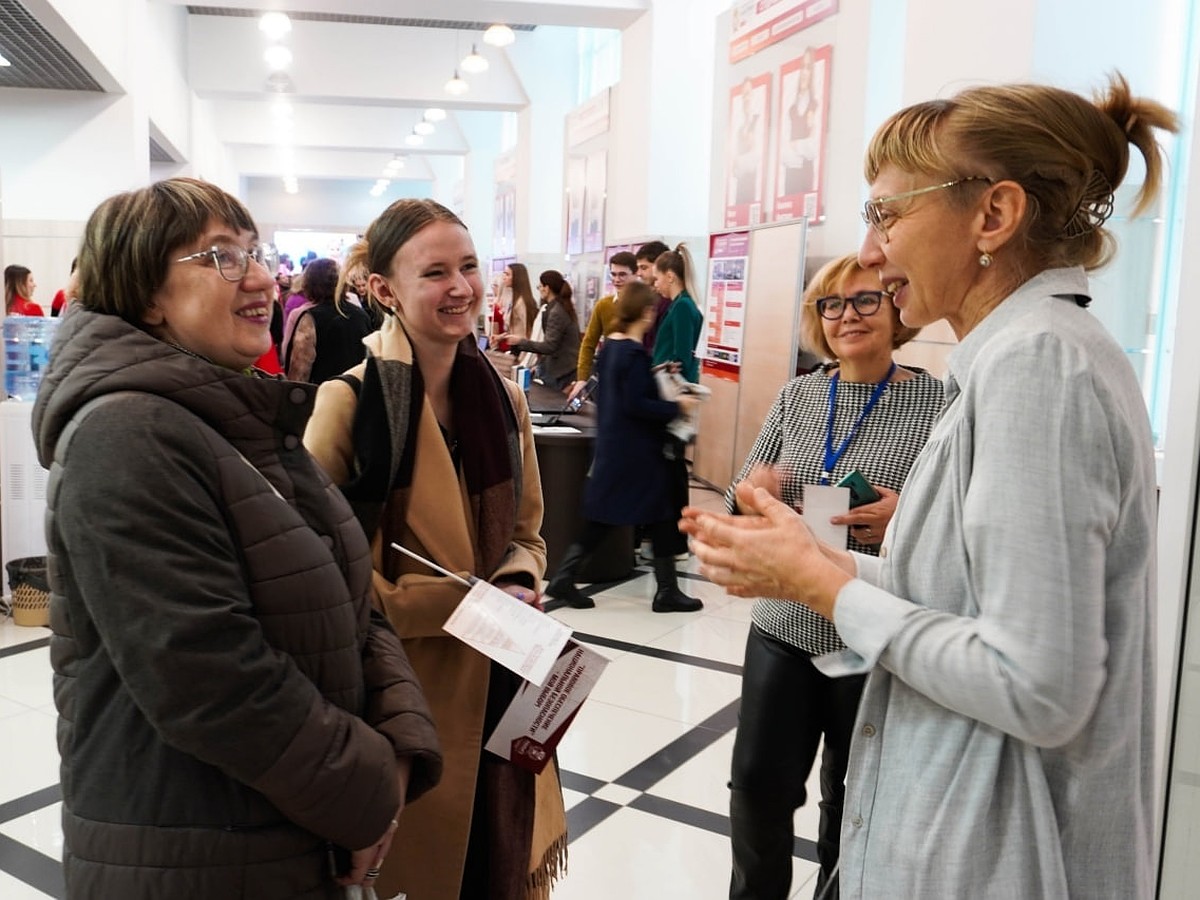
(869, 730)
(298, 395)
(856, 821)
(291, 442)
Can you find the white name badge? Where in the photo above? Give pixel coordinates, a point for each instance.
(821, 503)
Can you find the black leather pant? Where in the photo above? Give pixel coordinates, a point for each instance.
(787, 705)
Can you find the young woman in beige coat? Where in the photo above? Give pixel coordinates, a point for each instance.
(426, 421)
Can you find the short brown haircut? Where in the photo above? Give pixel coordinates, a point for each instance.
(130, 240)
(632, 302)
(624, 258)
(831, 279)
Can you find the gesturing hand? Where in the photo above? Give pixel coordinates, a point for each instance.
(769, 552)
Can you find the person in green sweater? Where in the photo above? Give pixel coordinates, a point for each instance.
(603, 322)
(675, 346)
(680, 329)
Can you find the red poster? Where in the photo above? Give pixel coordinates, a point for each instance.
(803, 121)
(761, 23)
(749, 125)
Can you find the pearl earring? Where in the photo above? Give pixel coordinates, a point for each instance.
(985, 259)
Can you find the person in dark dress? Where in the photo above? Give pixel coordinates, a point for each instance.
(630, 476)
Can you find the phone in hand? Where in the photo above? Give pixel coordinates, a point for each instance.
(580, 397)
(861, 491)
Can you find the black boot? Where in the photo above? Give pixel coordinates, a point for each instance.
(562, 585)
(668, 597)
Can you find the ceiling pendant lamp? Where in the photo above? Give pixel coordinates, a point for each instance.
(474, 63)
(499, 36)
(457, 86)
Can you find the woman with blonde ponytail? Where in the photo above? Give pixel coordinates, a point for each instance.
(1005, 738)
(680, 329)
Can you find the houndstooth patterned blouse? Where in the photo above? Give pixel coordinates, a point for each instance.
(793, 438)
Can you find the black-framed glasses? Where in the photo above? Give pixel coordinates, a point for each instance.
(865, 303)
(880, 218)
(233, 260)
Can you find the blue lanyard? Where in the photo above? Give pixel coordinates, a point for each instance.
(832, 456)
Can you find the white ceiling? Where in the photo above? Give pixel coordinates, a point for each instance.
(354, 60)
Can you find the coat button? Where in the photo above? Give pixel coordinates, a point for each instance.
(291, 442)
(883, 552)
(856, 821)
(869, 730)
(298, 395)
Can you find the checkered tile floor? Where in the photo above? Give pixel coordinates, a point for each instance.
(644, 766)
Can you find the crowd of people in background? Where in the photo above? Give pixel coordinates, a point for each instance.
(238, 639)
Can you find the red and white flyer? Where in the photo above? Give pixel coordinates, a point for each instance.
(538, 717)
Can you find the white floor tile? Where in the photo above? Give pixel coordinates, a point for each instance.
(11, 708)
(606, 741)
(622, 620)
(703, 780)
(616, 793)
(634, 856)
(572, 798)
(12, 889)
(708, 637)
(28, 755)
(12, 634)
(661, 688)
(25, 677)
(41, 830)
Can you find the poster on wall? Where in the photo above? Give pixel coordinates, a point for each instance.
(504, 228)
(576, 185)
(749, 125)
(761, 23)
(593, 202)
(725, 312)
(803, 120)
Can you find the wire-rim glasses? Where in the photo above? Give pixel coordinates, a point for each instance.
(865, 303)
(879, 218)
(233, 261)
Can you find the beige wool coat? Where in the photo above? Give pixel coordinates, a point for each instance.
(429, 850)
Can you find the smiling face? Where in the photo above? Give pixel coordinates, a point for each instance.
(863, 339)
(197, 309)
(435, 284)
(930, 257)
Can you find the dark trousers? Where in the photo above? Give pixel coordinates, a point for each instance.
(679, 492)
(787, 705)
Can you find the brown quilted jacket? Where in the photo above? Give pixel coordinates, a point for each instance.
(230, 704)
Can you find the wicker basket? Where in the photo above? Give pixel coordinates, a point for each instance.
(30, 591)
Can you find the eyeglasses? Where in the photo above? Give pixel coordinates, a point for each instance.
(865, 303)
(879, 218)
(233, 261)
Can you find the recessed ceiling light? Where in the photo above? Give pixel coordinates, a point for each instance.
(435, 114)
(277, 57)
(499, 36)
(457, 86)
(414, 140)
(474, 63)
(425, 128)
(274, 25)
